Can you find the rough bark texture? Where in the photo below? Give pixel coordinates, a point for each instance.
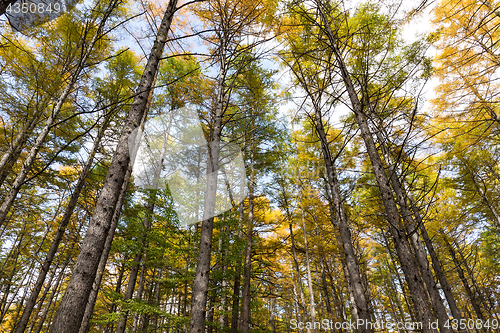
(200, 286)
(402, 246)
(339, 216)
(21, 326)
(72, 307)
(412, 230)
(245, 310)
(89, 309)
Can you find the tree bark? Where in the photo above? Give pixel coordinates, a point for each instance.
(461, 275)
(245, 310)
(89, 309)
(405, 255)
(200, 286)
(412, 230)
(72, 307)
(339, 219)
(23, 322)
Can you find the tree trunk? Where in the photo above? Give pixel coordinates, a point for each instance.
(21, 326)
(324, 286)
(405, 255)
(237, 280)
(402, 284)
(89, 309)
(312, 304)
(436, 264)
(72, 307)
(461, 275)
(412, 230)
(339, 219)
(245, 310)
(200, 286)
(302, 303)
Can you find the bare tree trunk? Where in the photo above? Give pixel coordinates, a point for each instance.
(200, 286)
(245, 310)
(312, 304)
(298, 307)
(89, 309)
(412, 230)
(339, 219)
(436, 264)
(461, 275)
(403, 249)
(302, 303)
(55, 291)
(477, 289)
(21, 326)
(324, 287)
(338, 302)
(72, 307)
(403, 285)
(237, 280)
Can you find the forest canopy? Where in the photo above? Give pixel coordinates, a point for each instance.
(249, 166)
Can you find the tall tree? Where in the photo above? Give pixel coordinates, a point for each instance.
(80, 285)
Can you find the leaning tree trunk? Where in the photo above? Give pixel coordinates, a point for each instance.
(72, 307)
(472, 297)
(23, 322)
(33, 153)
(89, 309)
(398, 234)
(412, 230)
(436, 264)
(339, 218)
